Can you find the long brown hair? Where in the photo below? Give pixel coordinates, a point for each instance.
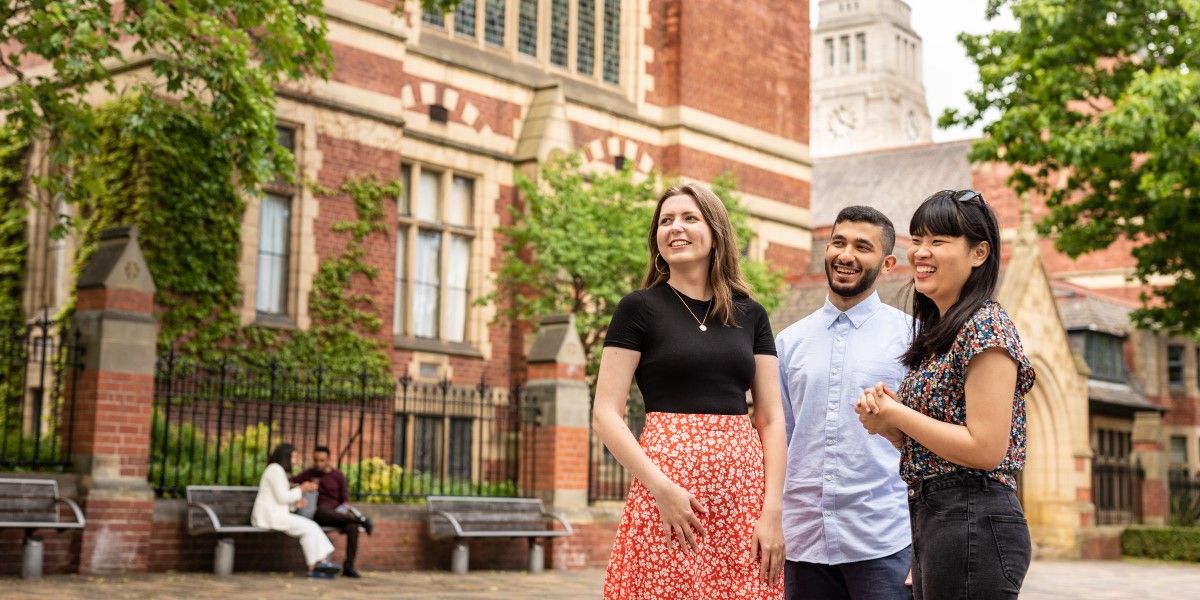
(724, 269)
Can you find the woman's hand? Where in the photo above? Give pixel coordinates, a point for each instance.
(767, 545)
(873, 408)
(308, 486)
(678, 508)
(895, 436)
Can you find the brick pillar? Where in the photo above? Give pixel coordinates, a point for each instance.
(1148, 450)
(557, 389)
(114, 400)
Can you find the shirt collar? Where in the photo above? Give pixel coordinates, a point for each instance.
(858, 314)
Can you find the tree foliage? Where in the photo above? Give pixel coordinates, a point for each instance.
(1099, 113)
(578, 245)
(222, 58)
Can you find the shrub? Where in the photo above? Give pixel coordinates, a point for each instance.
(1170, 543)
(373, 480)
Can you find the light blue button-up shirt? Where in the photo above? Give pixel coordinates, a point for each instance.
(843, 500)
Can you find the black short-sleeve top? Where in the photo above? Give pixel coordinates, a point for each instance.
(683, 369)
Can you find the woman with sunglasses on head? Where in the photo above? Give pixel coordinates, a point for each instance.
(703, 517)
(960, 411)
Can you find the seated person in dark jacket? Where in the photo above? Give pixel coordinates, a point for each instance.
(332, 508)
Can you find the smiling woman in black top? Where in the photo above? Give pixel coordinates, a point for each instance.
(702, 518)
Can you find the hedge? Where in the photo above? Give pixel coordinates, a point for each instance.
(1170, 543)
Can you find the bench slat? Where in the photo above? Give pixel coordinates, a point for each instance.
(490, 517)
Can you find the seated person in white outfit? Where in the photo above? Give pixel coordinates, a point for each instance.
(273, 510)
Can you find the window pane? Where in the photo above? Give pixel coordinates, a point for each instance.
(493, 24)
(404, 202)
(271, 287)
(845, 51)
(1175, 365)
(861, 40)
(830, 55)
(425, 285)
(1178, 450)
(462, 192)
(612, 41)
(435, 19)
(401, 280)
(456, 288)
(585, 48)
(527, 17)
(427, 445)
(400, 440)
(428, 192)
(286, 137)
(460, 449)
(464, 18)
(558, 32)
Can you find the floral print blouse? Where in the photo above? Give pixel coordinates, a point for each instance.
(937, 389)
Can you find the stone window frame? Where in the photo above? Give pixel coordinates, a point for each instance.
(1173, 383)
(445, 25)
(289, 318)
(407, 221)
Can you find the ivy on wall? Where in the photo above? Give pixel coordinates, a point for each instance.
(158, 166)
(344, 336)
(14, 244)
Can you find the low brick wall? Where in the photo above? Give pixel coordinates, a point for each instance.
(400, 542)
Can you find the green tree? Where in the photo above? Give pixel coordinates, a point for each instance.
(1098, 107)
(578, 245)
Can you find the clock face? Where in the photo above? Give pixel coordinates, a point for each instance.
(841, 121)
(912, 125)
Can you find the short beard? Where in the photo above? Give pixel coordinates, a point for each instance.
(864, 284)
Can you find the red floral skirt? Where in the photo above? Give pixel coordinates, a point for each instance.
(719, 459)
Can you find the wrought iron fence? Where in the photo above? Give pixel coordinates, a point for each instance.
(1184, 498)
(39, 361)
(607, 478)
(396, 441)
(1116, 490)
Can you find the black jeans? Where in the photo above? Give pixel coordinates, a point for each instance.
(970, 538)
(346, 522)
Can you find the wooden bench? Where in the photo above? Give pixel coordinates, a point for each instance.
(224, 510)
(33, 504)
(463, 518)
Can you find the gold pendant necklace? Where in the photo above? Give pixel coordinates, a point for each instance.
(699, 321)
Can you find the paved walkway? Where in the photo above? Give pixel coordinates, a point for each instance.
(1048, 580)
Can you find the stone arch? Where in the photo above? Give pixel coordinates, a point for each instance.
(598, 154)
(1049, 480)
(427, 93)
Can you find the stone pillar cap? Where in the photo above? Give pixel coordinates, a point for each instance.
(557, 342)
(118, 263)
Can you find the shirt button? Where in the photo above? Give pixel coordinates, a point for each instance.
(839, 338)
(829, 513)
(829, 478)
(828, 442)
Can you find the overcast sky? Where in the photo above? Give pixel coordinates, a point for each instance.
(948, 71)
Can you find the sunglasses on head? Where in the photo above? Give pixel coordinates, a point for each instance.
(967, 196)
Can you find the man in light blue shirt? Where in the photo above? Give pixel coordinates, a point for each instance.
(845, 509)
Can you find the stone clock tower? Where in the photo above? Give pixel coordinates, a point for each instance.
(867, 88)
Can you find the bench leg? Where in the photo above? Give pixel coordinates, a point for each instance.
(537, 556)
(460, 558)
(31, 565)
(223, 557)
